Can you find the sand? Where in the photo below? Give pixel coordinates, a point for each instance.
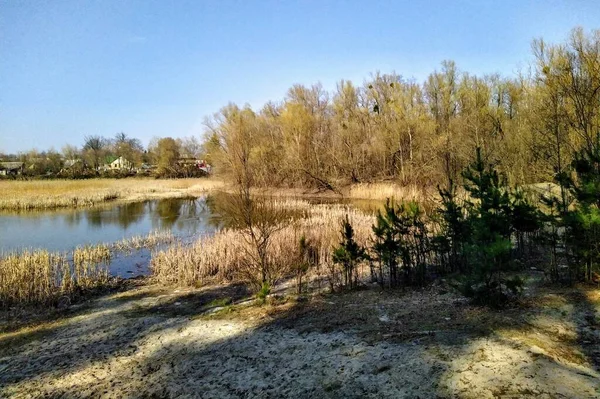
(150, 342)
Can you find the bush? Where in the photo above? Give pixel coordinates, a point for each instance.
(264, 292)
(496, 293)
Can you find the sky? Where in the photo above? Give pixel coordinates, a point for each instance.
(71, 68)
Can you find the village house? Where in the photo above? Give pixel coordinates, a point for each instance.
(119, 164)
(11, 168)
(194, 162)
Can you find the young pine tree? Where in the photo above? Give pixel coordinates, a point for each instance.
(401, 243)
(388, 245)
(526, 219)
(349, 254)
(454, 231)
(583, 222)
(489, 246)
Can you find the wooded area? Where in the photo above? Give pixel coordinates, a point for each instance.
(486, 135)
(391, 128)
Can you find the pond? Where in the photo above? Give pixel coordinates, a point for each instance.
(63, 230)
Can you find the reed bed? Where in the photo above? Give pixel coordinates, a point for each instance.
(151, 240)
(382, 191)
(224, 256)
(52, 194)
(43, 277)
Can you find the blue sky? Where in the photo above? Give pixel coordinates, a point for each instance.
(158, 68)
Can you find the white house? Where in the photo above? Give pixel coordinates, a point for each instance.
(119, 164)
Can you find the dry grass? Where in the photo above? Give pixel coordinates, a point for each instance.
(150, 240)
(360, 191)
(382, 191)
(224, 256)
(51, 194)
(43, 277)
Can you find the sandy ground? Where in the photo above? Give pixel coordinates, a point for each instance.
(149, 342)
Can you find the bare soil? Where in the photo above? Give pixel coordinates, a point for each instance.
(214, 342)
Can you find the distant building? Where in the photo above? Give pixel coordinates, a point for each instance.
(11, 168)
(69, 163)
(120, 164)
(197, 163)
(203, 165)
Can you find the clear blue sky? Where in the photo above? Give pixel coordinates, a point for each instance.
(157, 68)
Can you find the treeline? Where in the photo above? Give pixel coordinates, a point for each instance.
(422, 133)
(164, 157)
(476, 139)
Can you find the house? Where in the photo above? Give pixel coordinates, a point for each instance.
(11, 168)
(119, 164)
(69, 163)
(195, 163)
(203, 165)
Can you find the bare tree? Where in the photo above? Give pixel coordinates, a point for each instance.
(94, 149)
(258, 217)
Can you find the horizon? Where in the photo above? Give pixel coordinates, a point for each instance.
(71, 69)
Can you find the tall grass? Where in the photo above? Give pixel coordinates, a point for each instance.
(51, 194)
(43, 277)
(148, 241)
(382, 191)
(225, 255)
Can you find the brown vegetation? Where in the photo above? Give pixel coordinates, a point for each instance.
(51, 194)
(224, 256)
(425, 133)
(43, 277)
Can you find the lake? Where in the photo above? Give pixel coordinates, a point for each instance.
(63, 230)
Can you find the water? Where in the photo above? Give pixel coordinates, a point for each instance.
(64, 230)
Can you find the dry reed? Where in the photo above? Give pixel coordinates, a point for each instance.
(151, 240)
(382, 191)
(51, 194)
(43, 277)
(224, 256)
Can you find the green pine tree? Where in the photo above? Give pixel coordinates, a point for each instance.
(489, 246)
(349, 254)
(582, 222)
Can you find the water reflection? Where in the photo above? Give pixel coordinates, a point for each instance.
(62, 230)
(124, 215)
(65, 229)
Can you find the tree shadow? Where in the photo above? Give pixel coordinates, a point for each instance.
(369, 343)
(587, 303)
(108, 328)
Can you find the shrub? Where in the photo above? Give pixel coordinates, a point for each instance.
(348, 254)
(401, 242)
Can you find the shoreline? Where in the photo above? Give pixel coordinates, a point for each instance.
(24, 196)
(47, 195)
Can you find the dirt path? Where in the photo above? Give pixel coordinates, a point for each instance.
(151, 343)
